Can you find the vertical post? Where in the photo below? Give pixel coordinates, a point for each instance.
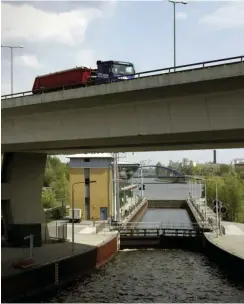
(141, 183)
(31, 245)
(174, 37)
(12, 77)
(217, 210)
(73, 221)
(205, 200)
(115, 188)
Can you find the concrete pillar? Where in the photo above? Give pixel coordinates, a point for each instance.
(23, 181)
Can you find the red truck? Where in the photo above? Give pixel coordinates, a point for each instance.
(107, 71)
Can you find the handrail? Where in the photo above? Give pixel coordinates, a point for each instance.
(203, 64)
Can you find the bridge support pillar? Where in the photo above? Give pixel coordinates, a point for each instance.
(22, 181)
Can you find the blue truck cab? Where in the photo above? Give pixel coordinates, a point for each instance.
(112, 71)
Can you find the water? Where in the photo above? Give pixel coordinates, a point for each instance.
(155, 190)
(136, 276)
(172, 216)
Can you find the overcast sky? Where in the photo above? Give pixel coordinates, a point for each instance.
(59, 35)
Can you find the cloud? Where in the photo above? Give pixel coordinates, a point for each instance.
(86, 57)
(28, 60)
(230, 16)
(181, 15)
(27, 22)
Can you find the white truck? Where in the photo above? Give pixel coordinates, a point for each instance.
(77, 215)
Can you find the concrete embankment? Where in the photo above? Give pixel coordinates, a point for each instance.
(137, 214)
(53, 273)
(231, 261)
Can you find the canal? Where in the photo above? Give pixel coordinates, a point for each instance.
(171, 216)
(154, 275)
(136, 276)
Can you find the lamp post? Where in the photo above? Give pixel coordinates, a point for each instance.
(205, 200)
(174, 4)
(141, 183)
(73, 212)
(11, 51)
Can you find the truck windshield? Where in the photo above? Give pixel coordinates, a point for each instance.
(122, 69)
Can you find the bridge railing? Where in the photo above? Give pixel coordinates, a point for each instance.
(151, 73)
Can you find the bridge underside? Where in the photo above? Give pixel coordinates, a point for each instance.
(226, 139)
(206, 121)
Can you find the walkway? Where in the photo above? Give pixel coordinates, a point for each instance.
(85, 239)
(233, 239)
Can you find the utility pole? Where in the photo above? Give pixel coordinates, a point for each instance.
(12, 69)
(174, 2)
(141, 183)
(116, 189)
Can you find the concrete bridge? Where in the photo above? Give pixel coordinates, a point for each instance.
(194, 107)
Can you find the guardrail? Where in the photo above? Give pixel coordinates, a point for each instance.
(151, 73)
(155, 225)
(160, 231)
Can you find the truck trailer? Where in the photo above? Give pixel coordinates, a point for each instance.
(106, 72)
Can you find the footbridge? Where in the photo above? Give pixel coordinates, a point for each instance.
(195, 106)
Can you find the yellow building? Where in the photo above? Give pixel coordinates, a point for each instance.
(90, 178)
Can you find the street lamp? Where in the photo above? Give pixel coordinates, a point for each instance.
(73, 212)
(174, 3)
(11, 51)
(141, 183)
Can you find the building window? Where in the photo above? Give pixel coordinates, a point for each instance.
(86, 160)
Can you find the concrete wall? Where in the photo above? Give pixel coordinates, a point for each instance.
(23, 188)
(230, 263)
(167, 204)
(136, 216)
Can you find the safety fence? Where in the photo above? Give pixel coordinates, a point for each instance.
(55, 232)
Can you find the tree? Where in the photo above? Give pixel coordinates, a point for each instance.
(48, 198)
(234, 195)
(56, 177)
(230, 192)
(158, 169)
(129, 173)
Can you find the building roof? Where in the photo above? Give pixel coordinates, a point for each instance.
(128, 164)
(91, 155)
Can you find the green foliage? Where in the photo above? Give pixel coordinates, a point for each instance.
(48, 198)
(230, 192)
(129, 173)
(56, 177)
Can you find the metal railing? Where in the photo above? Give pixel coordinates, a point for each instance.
(150, 73)
(189, 232)
(56, 232)
(155, 225)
